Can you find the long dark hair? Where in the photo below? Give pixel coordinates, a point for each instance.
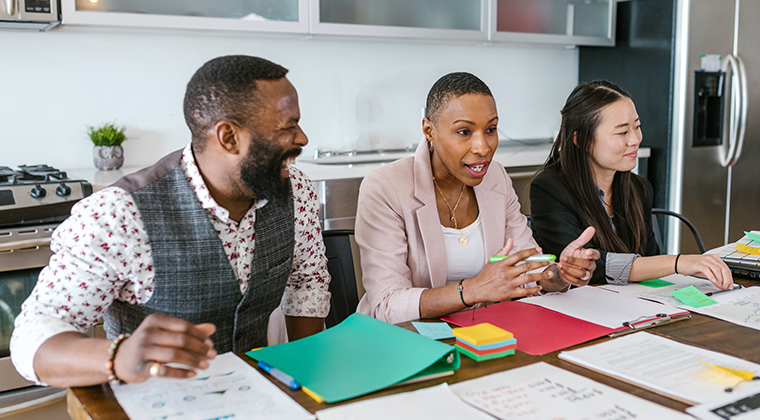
(570, 155)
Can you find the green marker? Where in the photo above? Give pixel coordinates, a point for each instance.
(532, 258)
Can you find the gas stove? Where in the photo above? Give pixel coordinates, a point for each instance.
(34, 195)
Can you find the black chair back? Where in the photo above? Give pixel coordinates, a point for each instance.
(340, 264)
(687, 222)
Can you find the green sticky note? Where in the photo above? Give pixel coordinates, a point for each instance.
(655, 283)
(753, 236)
(358, 356)
(693, 297)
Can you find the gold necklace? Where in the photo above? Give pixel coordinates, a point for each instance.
(452, 211)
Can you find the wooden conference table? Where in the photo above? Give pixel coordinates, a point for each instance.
(98, 402)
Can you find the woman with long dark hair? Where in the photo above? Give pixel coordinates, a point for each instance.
(587, 181)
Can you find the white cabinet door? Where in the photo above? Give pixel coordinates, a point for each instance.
(568, 22)
(254, 15)
(425, 19)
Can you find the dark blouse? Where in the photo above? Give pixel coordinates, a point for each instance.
(557, 221)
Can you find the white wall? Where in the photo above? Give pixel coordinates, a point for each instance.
(353, 93)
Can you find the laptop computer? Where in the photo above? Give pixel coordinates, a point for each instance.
(742, 264)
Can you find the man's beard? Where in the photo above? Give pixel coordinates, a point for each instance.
(261, 170)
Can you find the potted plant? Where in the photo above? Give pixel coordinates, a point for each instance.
(107, 152)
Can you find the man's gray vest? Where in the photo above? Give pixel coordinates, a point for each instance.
(193, 276)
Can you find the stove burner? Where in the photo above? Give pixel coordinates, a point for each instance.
(30, 175)
(8, 175)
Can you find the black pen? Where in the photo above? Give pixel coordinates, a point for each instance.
(736, 287)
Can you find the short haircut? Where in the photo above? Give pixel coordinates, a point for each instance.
(450, 86)
(225, 89)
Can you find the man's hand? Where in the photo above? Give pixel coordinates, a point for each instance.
(164, 339)
(577, 264)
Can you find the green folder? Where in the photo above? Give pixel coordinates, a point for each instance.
(358, 356)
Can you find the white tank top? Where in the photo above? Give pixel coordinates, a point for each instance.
(464, 261)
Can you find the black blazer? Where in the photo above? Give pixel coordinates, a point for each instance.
(557, 221)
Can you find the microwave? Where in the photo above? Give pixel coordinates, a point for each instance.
(39, 15)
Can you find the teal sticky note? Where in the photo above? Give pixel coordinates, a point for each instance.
(655, 283)
(693, 297)
(434, 330)
(753, 236)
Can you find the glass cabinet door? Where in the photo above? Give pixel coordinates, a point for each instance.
(441, 19)
(261, 15)
(578, 22)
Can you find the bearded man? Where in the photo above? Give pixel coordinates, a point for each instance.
(189, 256)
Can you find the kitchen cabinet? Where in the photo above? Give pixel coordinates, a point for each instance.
(569, 22)
(562, 22)
(428, 19)
(284, 16)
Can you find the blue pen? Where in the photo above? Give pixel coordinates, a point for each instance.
(280, 376)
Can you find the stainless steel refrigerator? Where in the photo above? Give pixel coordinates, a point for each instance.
(703, 128)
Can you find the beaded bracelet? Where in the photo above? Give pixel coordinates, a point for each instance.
(112, 355)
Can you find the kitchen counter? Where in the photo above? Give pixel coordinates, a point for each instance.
(510, 157)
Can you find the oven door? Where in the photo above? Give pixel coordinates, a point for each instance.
(23, 253)
(15, 287)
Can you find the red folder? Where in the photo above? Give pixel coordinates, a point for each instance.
(538, 330)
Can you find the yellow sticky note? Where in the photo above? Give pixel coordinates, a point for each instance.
(480, 334)
(748, 249)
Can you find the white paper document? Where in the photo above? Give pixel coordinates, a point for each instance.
(437, 402)
(229, 389)
(665, 366)
(541, 391)
(740, 306)
(602, 307)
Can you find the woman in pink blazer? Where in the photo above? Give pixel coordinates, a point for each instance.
(427, 225)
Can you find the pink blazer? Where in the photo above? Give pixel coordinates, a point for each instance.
(400, 235)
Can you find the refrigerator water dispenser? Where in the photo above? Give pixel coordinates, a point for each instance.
(709, 94)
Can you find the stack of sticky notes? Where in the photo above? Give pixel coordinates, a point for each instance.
(485, 341)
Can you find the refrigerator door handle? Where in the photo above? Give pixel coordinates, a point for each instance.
(734, 110)
(741, 72)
